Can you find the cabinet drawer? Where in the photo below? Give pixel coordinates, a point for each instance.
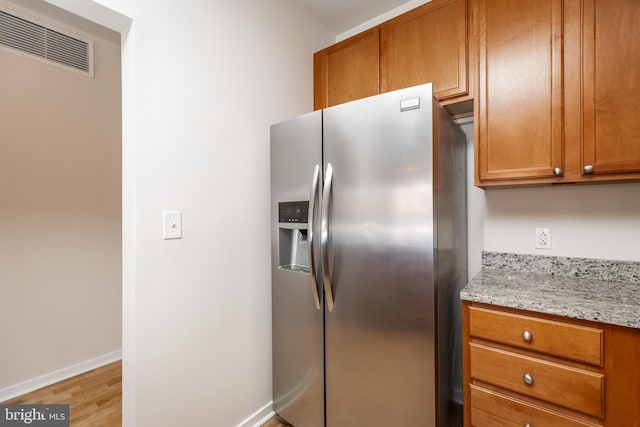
(566, 340)
(491, 409)
(566, 386)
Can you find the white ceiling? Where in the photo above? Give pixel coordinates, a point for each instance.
(342, 15)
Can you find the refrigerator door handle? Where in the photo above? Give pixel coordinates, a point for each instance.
(312, 260)
(324, 236)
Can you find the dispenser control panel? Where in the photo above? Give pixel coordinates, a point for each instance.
(293, 211)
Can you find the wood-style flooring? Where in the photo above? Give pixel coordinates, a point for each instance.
(94, 398)
(273, 422)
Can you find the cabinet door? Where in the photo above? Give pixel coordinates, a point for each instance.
(347, 70)
(427, 44)
(520, 95)
(611, 91)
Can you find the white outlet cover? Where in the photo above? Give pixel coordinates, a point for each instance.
(543, 238)
(171, 225)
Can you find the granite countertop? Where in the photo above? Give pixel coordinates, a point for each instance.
(571, 287)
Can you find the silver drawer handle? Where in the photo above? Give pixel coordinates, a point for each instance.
(527, 425)
(526, 335)
(528, 379)
(588, 169)
(557, 171)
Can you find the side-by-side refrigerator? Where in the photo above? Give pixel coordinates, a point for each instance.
(369, 254)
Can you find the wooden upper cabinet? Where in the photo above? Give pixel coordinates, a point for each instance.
(426, 44)
(611, 86)
(347, 70)
(519, 103)
(558, 91)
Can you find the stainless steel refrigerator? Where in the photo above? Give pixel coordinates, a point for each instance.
(369, 254)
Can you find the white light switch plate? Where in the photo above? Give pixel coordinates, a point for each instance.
(171, 225)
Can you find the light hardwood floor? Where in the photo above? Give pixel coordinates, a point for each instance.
(273, 422)
(94, 398)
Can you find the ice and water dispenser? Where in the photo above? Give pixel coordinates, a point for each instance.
(293, 236)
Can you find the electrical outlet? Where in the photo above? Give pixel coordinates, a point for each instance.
(543, 238)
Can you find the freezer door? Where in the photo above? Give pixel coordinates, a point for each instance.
(379, 332)
(297, 316)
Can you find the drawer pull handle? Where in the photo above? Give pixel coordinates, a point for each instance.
(527, 425)
(526, 335)
(527, 378)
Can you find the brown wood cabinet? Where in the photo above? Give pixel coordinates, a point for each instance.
(523, 368)
(426, 44)
(558, 91)
(520, 89)
(611, 91)
(347, 70)
(492, 408)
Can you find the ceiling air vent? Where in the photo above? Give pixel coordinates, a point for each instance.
(41, 42)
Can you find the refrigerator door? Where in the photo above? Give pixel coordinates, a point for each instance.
(379, 333)
(297, 316)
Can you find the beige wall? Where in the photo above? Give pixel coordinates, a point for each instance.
(60, 209)
(586, 221)
(200, 95)
(198, 105)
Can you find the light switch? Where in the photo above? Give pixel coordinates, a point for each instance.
(171, 225)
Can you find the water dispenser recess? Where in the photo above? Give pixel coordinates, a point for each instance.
(293, 244)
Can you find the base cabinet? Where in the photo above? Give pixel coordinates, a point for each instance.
(492, 408)
(531, 369)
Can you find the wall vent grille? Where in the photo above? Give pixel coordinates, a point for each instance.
(27, 37)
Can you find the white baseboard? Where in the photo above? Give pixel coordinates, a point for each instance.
(259, 417)
(58, 375)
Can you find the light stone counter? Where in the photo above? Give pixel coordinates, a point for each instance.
(599, 290)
